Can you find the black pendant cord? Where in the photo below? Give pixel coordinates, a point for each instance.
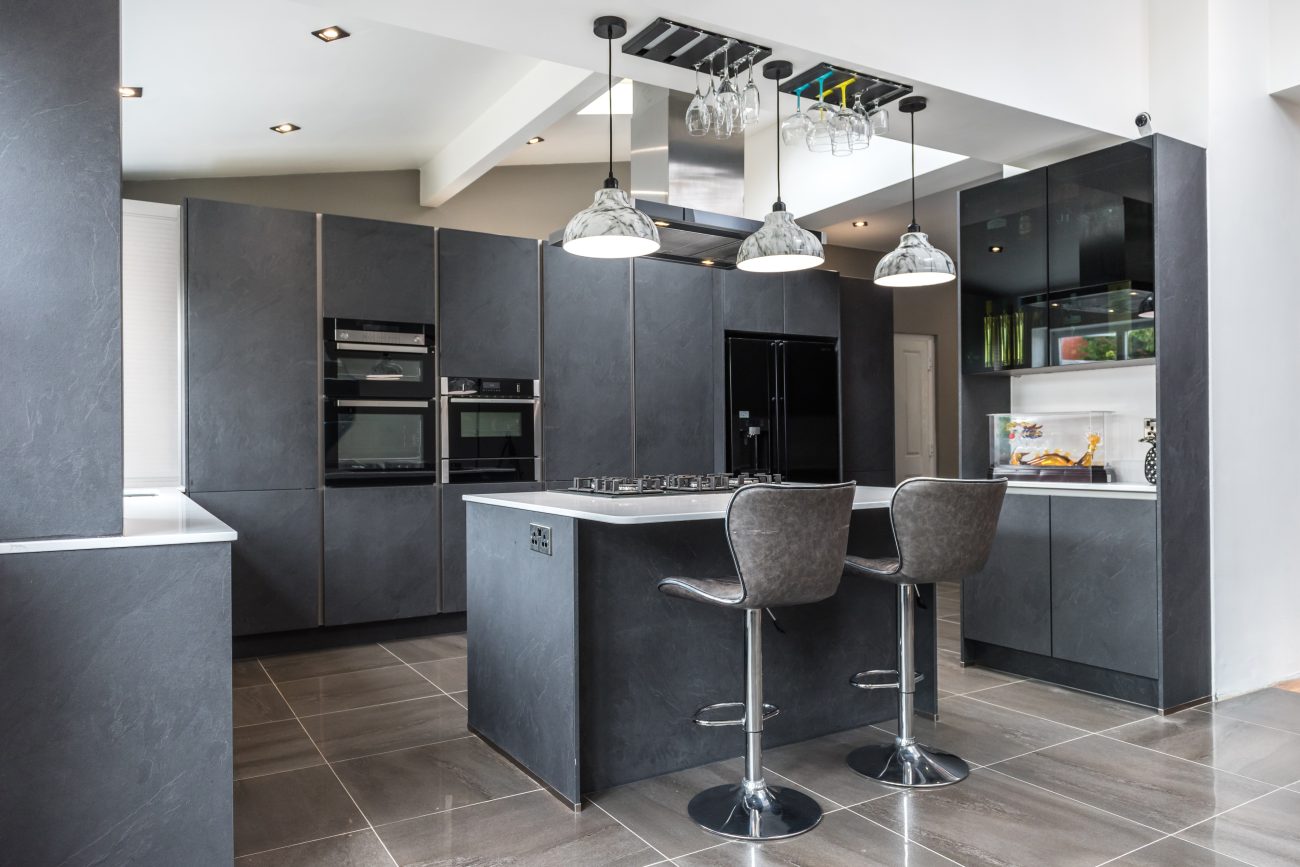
(777, 125)
(913, 227)
(609, 66)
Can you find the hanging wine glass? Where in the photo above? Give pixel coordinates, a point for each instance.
(795, 127)
(861, 124)
(841, 123)
(879, 121)
(728, 99)
(749, 99)
(697, 116)
(711, 99)
(819, 119)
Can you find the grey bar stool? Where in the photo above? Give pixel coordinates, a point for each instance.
(943, 529)
(788, 544)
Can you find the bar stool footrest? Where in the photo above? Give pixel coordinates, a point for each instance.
(769, 711)
(860, 681)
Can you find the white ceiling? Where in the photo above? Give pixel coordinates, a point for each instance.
(577, 138)
(216, 76)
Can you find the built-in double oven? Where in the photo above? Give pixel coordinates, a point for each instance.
(490, 430)
(381, 404)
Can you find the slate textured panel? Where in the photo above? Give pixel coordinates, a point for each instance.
(275, 565)
(488, 305)
(1104, 607)
(751, 302)
(812, 303)
(117, 714)
(452, 593)
(252, 369)
(60, 271)
(373, 269)
(866, 314)
(381, 553)
(673, 306)
(1009, 602)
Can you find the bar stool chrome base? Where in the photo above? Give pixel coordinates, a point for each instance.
(910, 766)
(767, 813)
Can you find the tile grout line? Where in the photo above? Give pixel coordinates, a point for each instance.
(399, 662)
(619, 822)
(1174, 835)
(463, 737)
(1058, 722)
(422, 674)
(335, 773)
(906, 838)
(1239, 719)
(1084, 804)
(1028, 714)
(461, 807)
(1192, 761)
(292, 845)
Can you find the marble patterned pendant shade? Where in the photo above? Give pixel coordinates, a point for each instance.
(780, 244)
(611, 228)
(915, 262)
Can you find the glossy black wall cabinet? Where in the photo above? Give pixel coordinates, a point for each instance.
(488, 305)
(381, 553)
(674, 376)
(60, 293)
(372, 269)
(453, 537)
(587, 364)
(252, 344)
(275, 562)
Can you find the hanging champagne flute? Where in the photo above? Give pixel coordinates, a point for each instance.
(697, 116)
(750, 99)
(728, 99)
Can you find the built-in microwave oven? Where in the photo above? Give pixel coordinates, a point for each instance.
(370, 359)
(490, 430)
(380, 441)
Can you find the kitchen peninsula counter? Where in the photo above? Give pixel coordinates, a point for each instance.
(588, 677)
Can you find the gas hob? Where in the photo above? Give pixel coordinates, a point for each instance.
(641, 486)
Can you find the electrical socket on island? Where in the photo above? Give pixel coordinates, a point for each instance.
(539, 539)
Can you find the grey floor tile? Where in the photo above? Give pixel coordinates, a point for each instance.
(351, 734)
(259, 704)
(989, 819)
(359, 849)
(1262, 833)
(293, 807)
(1079, 709)
(948, 606)
(1148, 787)
(841, 839)
(1276, 708)
(355, 689)
(819, 765)
(247, 672)
(271, 748)
(449, 674)
(1172, 852)
(415, 782)
(318, 663)
(533, 829)
(956, 679)
(1228, 744)
(429, 648)
(984, 733)
(1295, 788)
(656, 808)
(949, 635)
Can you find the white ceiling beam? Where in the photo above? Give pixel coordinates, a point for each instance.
(534, 102)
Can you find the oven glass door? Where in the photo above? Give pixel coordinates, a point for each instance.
(357, 370)
(491, 429)
(373, 439)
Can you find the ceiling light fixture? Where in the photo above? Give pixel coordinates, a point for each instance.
(706, 261)
(611, 228)
(663, 224)
(332, 33)
(780, 244)
(915, 262)
(537, 139)
(130, 92)
(996, 248)
(283, 128)
(859, 224)
(1147, 309)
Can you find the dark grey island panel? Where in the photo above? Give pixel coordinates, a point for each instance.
(452, 578)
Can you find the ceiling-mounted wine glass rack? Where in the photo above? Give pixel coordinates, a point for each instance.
(826, 78)
(687, 46)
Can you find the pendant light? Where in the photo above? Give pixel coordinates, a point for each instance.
(1147, 309)
(915, 262)
(611, 228)
(780, 244)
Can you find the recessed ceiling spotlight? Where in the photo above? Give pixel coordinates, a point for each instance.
(996, 248)
(283, 128)
(706, 261)
(331, 34)
(859, 224)
(130, 92)
(537, 139)
(663, 224)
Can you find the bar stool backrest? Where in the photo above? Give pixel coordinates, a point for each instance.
(944, 528)
(789, 542)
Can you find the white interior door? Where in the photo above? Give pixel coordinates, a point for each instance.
(914, 433)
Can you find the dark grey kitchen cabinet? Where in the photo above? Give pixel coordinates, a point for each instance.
(381, 553)
(812, 303)
(453, 590)
(866, 317)
(1104, 583)
(275, 562)
(252, 347)
(673, 305)
(751, 302)
(1009, 602)
(374, 269)
(488, 305)
(587, 366)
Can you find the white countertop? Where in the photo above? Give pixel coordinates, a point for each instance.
(150, 517)
(651, 509)
(1112, 490)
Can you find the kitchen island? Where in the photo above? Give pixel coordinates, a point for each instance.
(587, 676)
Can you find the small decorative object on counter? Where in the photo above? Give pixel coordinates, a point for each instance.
(1149, 465)
(1049, 446)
